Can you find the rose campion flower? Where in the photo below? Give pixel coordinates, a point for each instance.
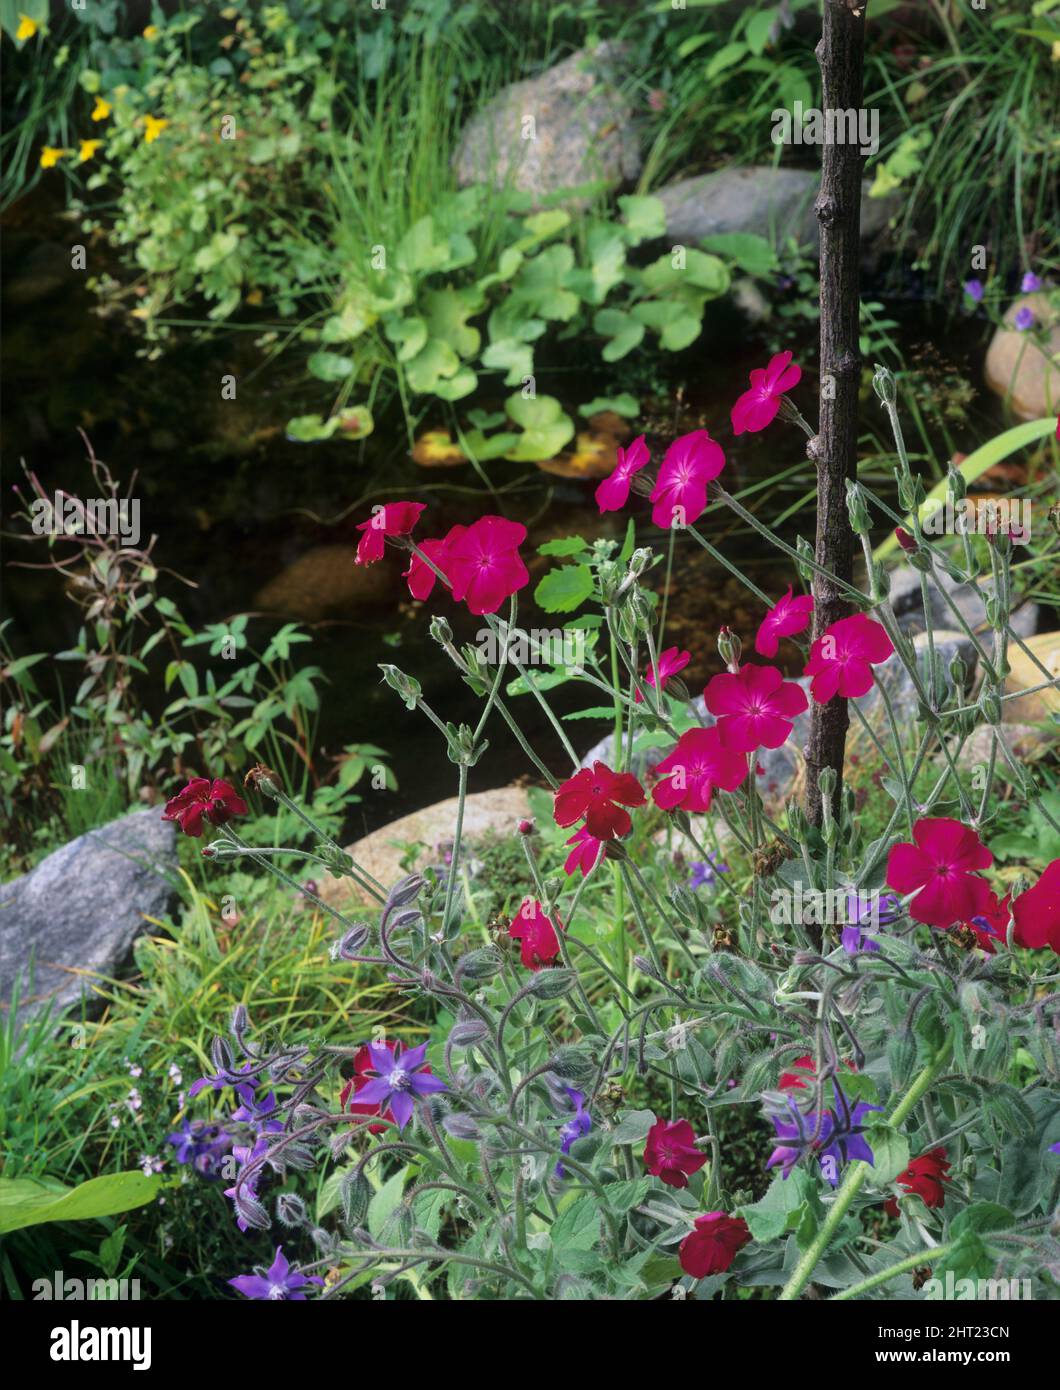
(217, 801)
(278, 1282)
(670, 662)
(713, 1245)
(421, 578)
(390, 519)
(484, 564)
(787, 617)
(600, 796)
(754, 708)
(799, 1080)
(586, 852)
(680, 491)
(924, 1176)
(1037, 913)
(613, 492)
(401, 1079)
(700, 762)
(363, 1072)
(536, 934)
(842, 658)
(671, 1153)
(943, 865)
(758, 406)
(580, 1123)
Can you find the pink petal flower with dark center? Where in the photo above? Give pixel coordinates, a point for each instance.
(536, 933)
(670, 662)
(699, 763)
(713, 1245)
(943, 864)
(787, 617)
(391, 519)
(217, 801)
(613, 492)
(757, 407)
(842, 658)
(680, 491)
(419, 574)
(586, 853)
(600, 796)
(671, 1153)
(755, 707)
(484, 563)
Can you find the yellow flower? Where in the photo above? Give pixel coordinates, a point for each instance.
(50, 156)
(254, 297)
(151, 33)
(1054, 52)
(26, 28)
(88, 149)
(101, 110)
(153, 128)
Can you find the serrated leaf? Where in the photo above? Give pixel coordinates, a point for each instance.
(562, 590)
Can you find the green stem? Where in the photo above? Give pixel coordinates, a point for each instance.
(922, 1257)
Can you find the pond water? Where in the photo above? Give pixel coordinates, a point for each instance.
(257, 522)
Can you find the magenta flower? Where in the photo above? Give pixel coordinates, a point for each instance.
(401, 1079)
(754, 708)
(586, 852)
(391, 519)
(671, 1153)
(713, 1245)
(943, 864)
(217, 801)
(700, 762)
(600, 796)
(278, 1282)
(757, 407)
(680, 491)
(613, 492)
(419, 574)
(536, 933)
(787, 617)
(841, 660)
(670, 662)
(484, 563)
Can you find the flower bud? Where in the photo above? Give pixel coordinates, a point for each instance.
(264, 780)
(291, 1210)
(405, 891)
(884, 385)
(460, 1126)
(350, 945)
(572, 1064)
(468, 1033)
(905, 540)
(857, 509)
(480, 965)
(355, 1194)
(551, 984)
(526, 827)
(955, 484)
(805, 549)
(441, 632)
(729, 648)
(406, 686)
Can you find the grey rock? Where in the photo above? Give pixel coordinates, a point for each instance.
(774, 203)
(76, 915)
(583, 130)
(907, 601)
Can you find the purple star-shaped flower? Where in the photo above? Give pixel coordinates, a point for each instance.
(974, 290)
(279, 1281)
(244, 1088)
(855, 940)
(1055, 1148)
(706, 871)
(580, 1123)
(836, 1134)
(399, 1081)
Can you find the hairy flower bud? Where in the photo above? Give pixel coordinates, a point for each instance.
(405, 891)
(883, 383)
(406, 686)
(480, 965)
(441, 632)
(572, 1064)
(291, 1210)
(355, 1194)
(350, 945)
(468, 1033)
(729, 648)
(552, 984)
(460, 1126)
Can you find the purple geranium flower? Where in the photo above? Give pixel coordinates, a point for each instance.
(974, 290)
(1024, 319)
(1031, 283)
(706, 871)
(279, 1281)
(399, 1081)
(580, 1123)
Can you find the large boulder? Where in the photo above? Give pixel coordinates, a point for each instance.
(774, 203)
(569, 126)
(1027, 375)
(75, 916)
(433, 829)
